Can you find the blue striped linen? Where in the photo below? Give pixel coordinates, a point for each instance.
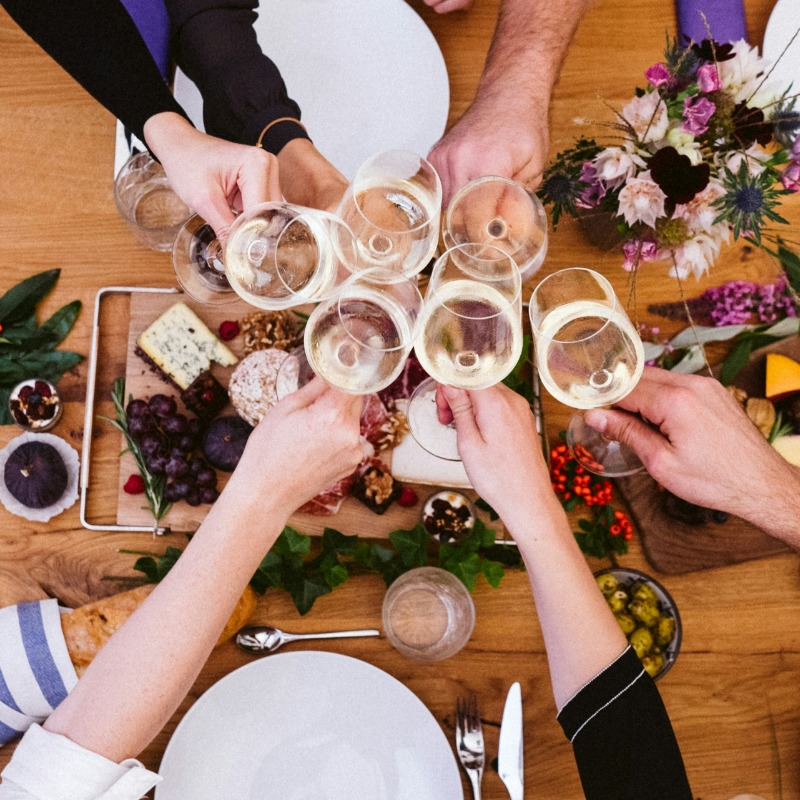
(36, 672)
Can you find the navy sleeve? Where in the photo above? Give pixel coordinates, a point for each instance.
(214, 43)
(98, 44)
(623, 740)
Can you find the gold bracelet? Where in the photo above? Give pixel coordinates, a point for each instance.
(275, 122)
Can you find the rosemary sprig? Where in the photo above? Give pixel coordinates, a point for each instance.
(154, 485)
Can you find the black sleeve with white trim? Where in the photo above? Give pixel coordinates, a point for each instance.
(622, 737)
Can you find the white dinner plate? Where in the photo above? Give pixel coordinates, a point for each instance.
(368, 75)
(309, 726)
(783, 24)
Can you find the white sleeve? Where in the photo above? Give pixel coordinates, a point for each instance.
(46, 766)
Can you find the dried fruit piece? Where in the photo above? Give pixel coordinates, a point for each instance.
(408, 497)
(762, 414)
(228, 330)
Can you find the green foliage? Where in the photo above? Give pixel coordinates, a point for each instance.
(309, 567)
(594, 538)
(27, 350)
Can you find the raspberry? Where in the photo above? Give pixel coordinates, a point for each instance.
(228, 330)
(42, 388)
(25, 392)
(134, 485)
(408, 497)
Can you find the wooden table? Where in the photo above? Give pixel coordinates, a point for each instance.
(732, 695)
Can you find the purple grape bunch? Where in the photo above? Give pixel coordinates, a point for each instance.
(167, 440)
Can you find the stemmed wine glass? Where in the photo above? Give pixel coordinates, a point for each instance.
(393, 208)
(470, 334)
(588, 355)
(500, 212)
(277, 256)
(359, 339)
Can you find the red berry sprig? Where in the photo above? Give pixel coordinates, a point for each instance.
(610, 530)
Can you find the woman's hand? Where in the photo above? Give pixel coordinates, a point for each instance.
(211, 175)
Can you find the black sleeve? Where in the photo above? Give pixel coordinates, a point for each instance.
(214, 43)
(99, 45)
(622, 737)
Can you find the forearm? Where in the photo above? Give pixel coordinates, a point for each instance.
(138, 679)
(529, 45)
(776, 507)
(99, 45)
(580, 633)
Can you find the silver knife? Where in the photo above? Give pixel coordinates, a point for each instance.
(509, 759)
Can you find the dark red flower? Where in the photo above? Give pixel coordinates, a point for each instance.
(711, 51)
(679, 179)
(228, 330)
(750, 126)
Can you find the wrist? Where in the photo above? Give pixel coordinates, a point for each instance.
(775, 509)
(307, 177)
(537, 516)
(163, 130)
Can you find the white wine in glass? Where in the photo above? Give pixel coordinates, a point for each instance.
(393, 207)
(470, 334)
(359, 340)
(588, 355)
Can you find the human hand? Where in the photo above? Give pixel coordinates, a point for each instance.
(308, 178)
(446, 6)
(499, 446)
(305, 443)
(492, 139)
(700, 445)
(211, 175)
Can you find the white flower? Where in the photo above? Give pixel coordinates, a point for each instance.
(685, 144)
(743, 77)
(614, 166)
(641, 200)
(647, 115)
(756, 158)
(698, 213)
(696, 255)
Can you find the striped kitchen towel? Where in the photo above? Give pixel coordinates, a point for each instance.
(36, 672)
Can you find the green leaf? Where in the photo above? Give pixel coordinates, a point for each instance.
(5, 414)
(507, 554)
(20, 301)
(268, 574)
(60, 324)
(167, 561)
(466, 570)
(148, 566)
(740, 353)
(49, 365)
(412, 545)
(334, 573)
(290, 541)
(335, 542)
(305, 591)
(484, 506)
(493, 572)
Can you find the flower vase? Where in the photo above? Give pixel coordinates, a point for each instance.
(599, 228)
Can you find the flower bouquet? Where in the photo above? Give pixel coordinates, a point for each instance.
(701, 155)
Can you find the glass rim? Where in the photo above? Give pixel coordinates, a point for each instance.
(509, 303)
(423, 161)
(602, 280)
(386, 276)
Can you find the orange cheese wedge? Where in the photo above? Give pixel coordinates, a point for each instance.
(783, 376)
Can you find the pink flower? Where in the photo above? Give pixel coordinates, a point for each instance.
(696, 114)
(657, 75)
(636, 252)
(641, 200)
(790, 177)
(796, 148)
(708, 78)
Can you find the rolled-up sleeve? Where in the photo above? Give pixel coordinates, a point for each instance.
(623, 741)
(214, 43)
(46, 766)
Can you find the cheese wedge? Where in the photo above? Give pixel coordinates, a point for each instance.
(180, 344)
(783, 376)
(789, 448)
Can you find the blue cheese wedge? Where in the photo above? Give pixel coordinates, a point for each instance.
(180, 344)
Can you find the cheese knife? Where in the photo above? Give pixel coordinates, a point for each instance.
(509, 759)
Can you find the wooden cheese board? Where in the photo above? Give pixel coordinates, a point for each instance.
(143, 382)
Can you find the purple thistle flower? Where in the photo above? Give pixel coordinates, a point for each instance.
(696, 114)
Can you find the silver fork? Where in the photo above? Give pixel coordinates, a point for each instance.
(469, 742)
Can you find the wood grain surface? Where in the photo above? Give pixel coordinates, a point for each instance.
(732, 694)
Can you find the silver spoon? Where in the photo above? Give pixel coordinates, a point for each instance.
(266, 639)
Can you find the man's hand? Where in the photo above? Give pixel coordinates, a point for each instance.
(210, 175)
(702, 447)
(492, 139)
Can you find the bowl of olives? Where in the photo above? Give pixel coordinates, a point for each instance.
(647, 615)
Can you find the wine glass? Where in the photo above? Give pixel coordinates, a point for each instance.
(359, 339)
(500, 212)
(588, 355)
(470, 334)
(277, 256)
(393, 208)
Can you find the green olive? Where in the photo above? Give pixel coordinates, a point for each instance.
(665, 631)
(645, 593)
(607, 584)
(617, 601)
(641, 640)
(646, 613)
(653, 664)
(626, 622)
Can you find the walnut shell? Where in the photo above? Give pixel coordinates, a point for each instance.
(739, 395)
(762, 414)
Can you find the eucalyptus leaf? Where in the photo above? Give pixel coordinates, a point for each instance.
(790, 326)
(652, 351)
(706, 333)
(693, 360)
(21, 300)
